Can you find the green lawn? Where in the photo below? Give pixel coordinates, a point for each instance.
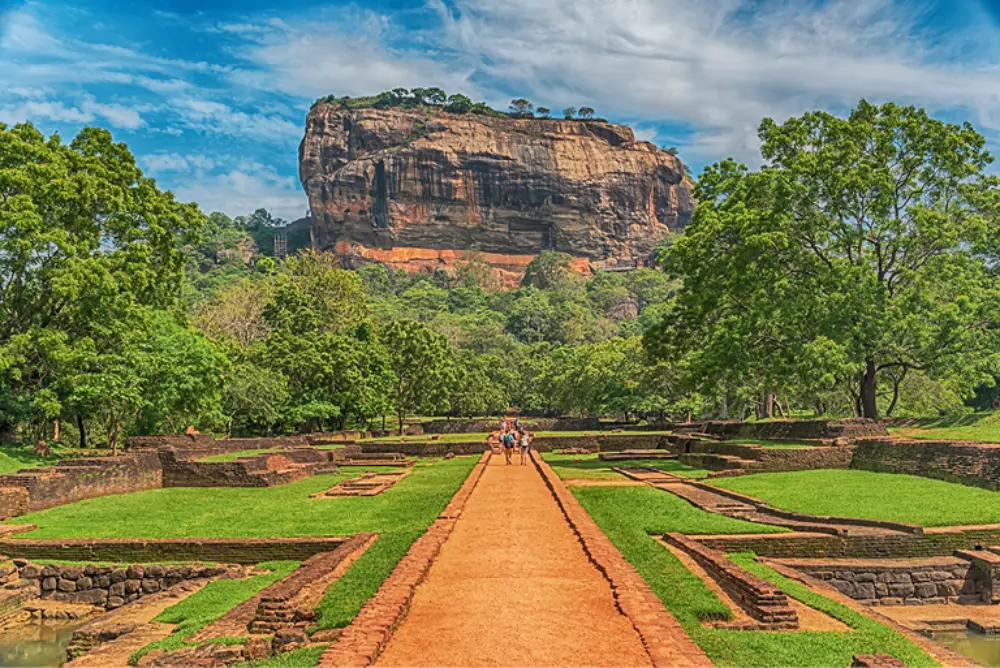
(268, 512)
(975, 427)
(629, 514)
(423, 438)
(230, 456)
(210, 603)
(16, 457)
(882, 496)
(401, 515)
(771, 444)
(590, 467)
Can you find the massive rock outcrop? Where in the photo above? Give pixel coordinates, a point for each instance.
(418, 188)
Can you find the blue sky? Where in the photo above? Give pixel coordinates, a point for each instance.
(212, 95)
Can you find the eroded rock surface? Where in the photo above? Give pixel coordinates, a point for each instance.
(417, 188)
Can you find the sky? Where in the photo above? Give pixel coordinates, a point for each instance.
(211, 95)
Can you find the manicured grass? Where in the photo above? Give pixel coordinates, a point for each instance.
(882, 496)
(267, 512)
(16, 457)
(629, 514)
(600, 432)
(210, 603)
(346, 596)
(230, 456)
(424, 438)
(304, 657)
(590, 467)
(771, 444)
(975, 427)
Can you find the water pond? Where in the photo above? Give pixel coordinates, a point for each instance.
(36, 645)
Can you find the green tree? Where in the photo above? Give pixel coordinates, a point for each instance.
(586, 112)
(544, 111)
(569, 113)
(521, 107)
(421, 362)
(86, 244)
(866, 245)
(546, 269)
(435, 96)
(458, 104)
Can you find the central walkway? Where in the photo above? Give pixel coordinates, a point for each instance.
(512, 586)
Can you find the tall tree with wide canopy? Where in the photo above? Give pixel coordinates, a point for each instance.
(865, 245)
(87, 244)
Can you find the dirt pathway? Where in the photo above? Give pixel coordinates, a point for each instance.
(513, 587)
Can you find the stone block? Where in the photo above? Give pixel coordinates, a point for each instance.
(881, 589)
(91, 596)
(865, 577)
(865, 590)
(119, 575)
(49, 584)
(155, 571)
(102, 581)
(150, 585)
(117, 589)
(72, 572)
(892, 600)
(901, 590)
(925, 590)
(131, 586)
(31, 572)
(115, 602)
(51, 570)
(135, 572)
(844, 587)
(84, 583)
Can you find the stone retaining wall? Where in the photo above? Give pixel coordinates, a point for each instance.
(968, 463)
(933, 581)
(109, 586)
(934, 542)
(226, 550)
(77, 479)
(764, 601)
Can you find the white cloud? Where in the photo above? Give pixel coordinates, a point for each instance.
(311, 58)
(718, 65)
(243, 190)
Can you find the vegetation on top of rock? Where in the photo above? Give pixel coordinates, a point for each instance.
(435, 98)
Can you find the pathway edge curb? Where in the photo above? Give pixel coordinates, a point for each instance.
(361, 641)
(663, 637)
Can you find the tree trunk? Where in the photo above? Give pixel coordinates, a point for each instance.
(869, 404)
(725, 408)
(83, 430)
(383, 422)
(55, 430)
(113, 436)
(400, 415)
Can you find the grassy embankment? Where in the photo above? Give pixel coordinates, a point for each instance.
(881, 496)
(975, 427)
(16, 457)
(210, 603)
(401, 514)
(631, 515)
(590, 467)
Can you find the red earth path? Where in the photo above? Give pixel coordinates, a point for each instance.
(512, 586)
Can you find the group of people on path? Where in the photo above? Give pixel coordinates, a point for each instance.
(513, 435)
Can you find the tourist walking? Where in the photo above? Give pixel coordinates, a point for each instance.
(525, 447)
(508, 446)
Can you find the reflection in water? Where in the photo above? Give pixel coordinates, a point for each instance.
(41, 645)
(981, 648)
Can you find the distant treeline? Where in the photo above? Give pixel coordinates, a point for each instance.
(418, 98)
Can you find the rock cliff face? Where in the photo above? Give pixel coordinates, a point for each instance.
(416, 189)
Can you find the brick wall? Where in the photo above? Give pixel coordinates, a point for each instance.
(764, 601)
(934, 542)
(14, 501)
(265, 470)
(779, 430)
(427, 448)
(78, 479)
(142, 550)
(968, 463)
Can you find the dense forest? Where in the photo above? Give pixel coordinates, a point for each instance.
(855, 274)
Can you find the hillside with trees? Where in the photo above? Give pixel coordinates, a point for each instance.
(855, 274)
